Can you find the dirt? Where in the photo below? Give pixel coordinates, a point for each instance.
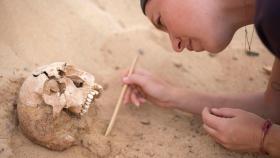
(102, 37)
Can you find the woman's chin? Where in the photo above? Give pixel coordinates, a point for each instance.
(215, 50)
(196, 49)
(199, 50)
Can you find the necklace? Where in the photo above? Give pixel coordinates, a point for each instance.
(248, 42)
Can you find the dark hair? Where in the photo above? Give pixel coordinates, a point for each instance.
(143, 5)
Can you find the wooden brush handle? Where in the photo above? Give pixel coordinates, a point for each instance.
(118, 105)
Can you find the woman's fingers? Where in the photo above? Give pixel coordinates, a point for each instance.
(212, 132)
(134, 95)
(211, 120)
(126, 99)
(135, 82)
(134, 99)
(225, 112)
(142, 100)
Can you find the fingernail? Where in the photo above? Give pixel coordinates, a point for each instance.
(137, 104)
(125, 78)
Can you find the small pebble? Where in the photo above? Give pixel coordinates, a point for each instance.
(212, 54)
(141, 51)
(234, 58)
(178, 64)
(251, 78)
(116, 67)
(146, 122)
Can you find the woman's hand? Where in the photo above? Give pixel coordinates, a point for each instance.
(235, 129)
(143, 85)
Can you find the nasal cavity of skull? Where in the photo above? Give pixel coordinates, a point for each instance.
(53, 86)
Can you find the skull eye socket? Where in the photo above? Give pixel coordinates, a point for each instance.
(61, 73)
(78, 84)
(62, 87)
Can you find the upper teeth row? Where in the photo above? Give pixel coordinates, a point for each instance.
(90, 98)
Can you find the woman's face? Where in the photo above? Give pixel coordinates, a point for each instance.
(192, 24)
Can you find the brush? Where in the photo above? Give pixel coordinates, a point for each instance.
(119, 103)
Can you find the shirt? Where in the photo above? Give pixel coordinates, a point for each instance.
(267, 23)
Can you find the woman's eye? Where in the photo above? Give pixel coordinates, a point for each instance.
(160, 24)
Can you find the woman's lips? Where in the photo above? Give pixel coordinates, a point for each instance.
(193, 45)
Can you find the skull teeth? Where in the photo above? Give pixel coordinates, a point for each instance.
(90, 97)
(95, 93)
(98, 87)
(92, 93)
(89, 100)
(84, 111)
(86, 106)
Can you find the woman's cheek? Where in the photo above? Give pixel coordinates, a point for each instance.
(216, 45)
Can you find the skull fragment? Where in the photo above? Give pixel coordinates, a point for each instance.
(52, 102)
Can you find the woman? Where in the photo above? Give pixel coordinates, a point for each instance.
(238, 122)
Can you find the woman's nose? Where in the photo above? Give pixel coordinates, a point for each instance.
(177, 43)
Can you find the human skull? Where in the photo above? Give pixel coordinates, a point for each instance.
(52, 101)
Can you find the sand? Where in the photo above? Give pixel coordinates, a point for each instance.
(102, 37)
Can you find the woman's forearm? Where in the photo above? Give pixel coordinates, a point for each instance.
(194, 102)
(265, 104)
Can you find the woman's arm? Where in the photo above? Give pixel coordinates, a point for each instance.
(265, 104)
(272, 94)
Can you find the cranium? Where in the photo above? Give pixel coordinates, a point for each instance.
(60, 86)
(49, 97)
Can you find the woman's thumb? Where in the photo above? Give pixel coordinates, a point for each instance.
(224, 112)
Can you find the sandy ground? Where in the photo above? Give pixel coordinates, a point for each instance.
(102, 37)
